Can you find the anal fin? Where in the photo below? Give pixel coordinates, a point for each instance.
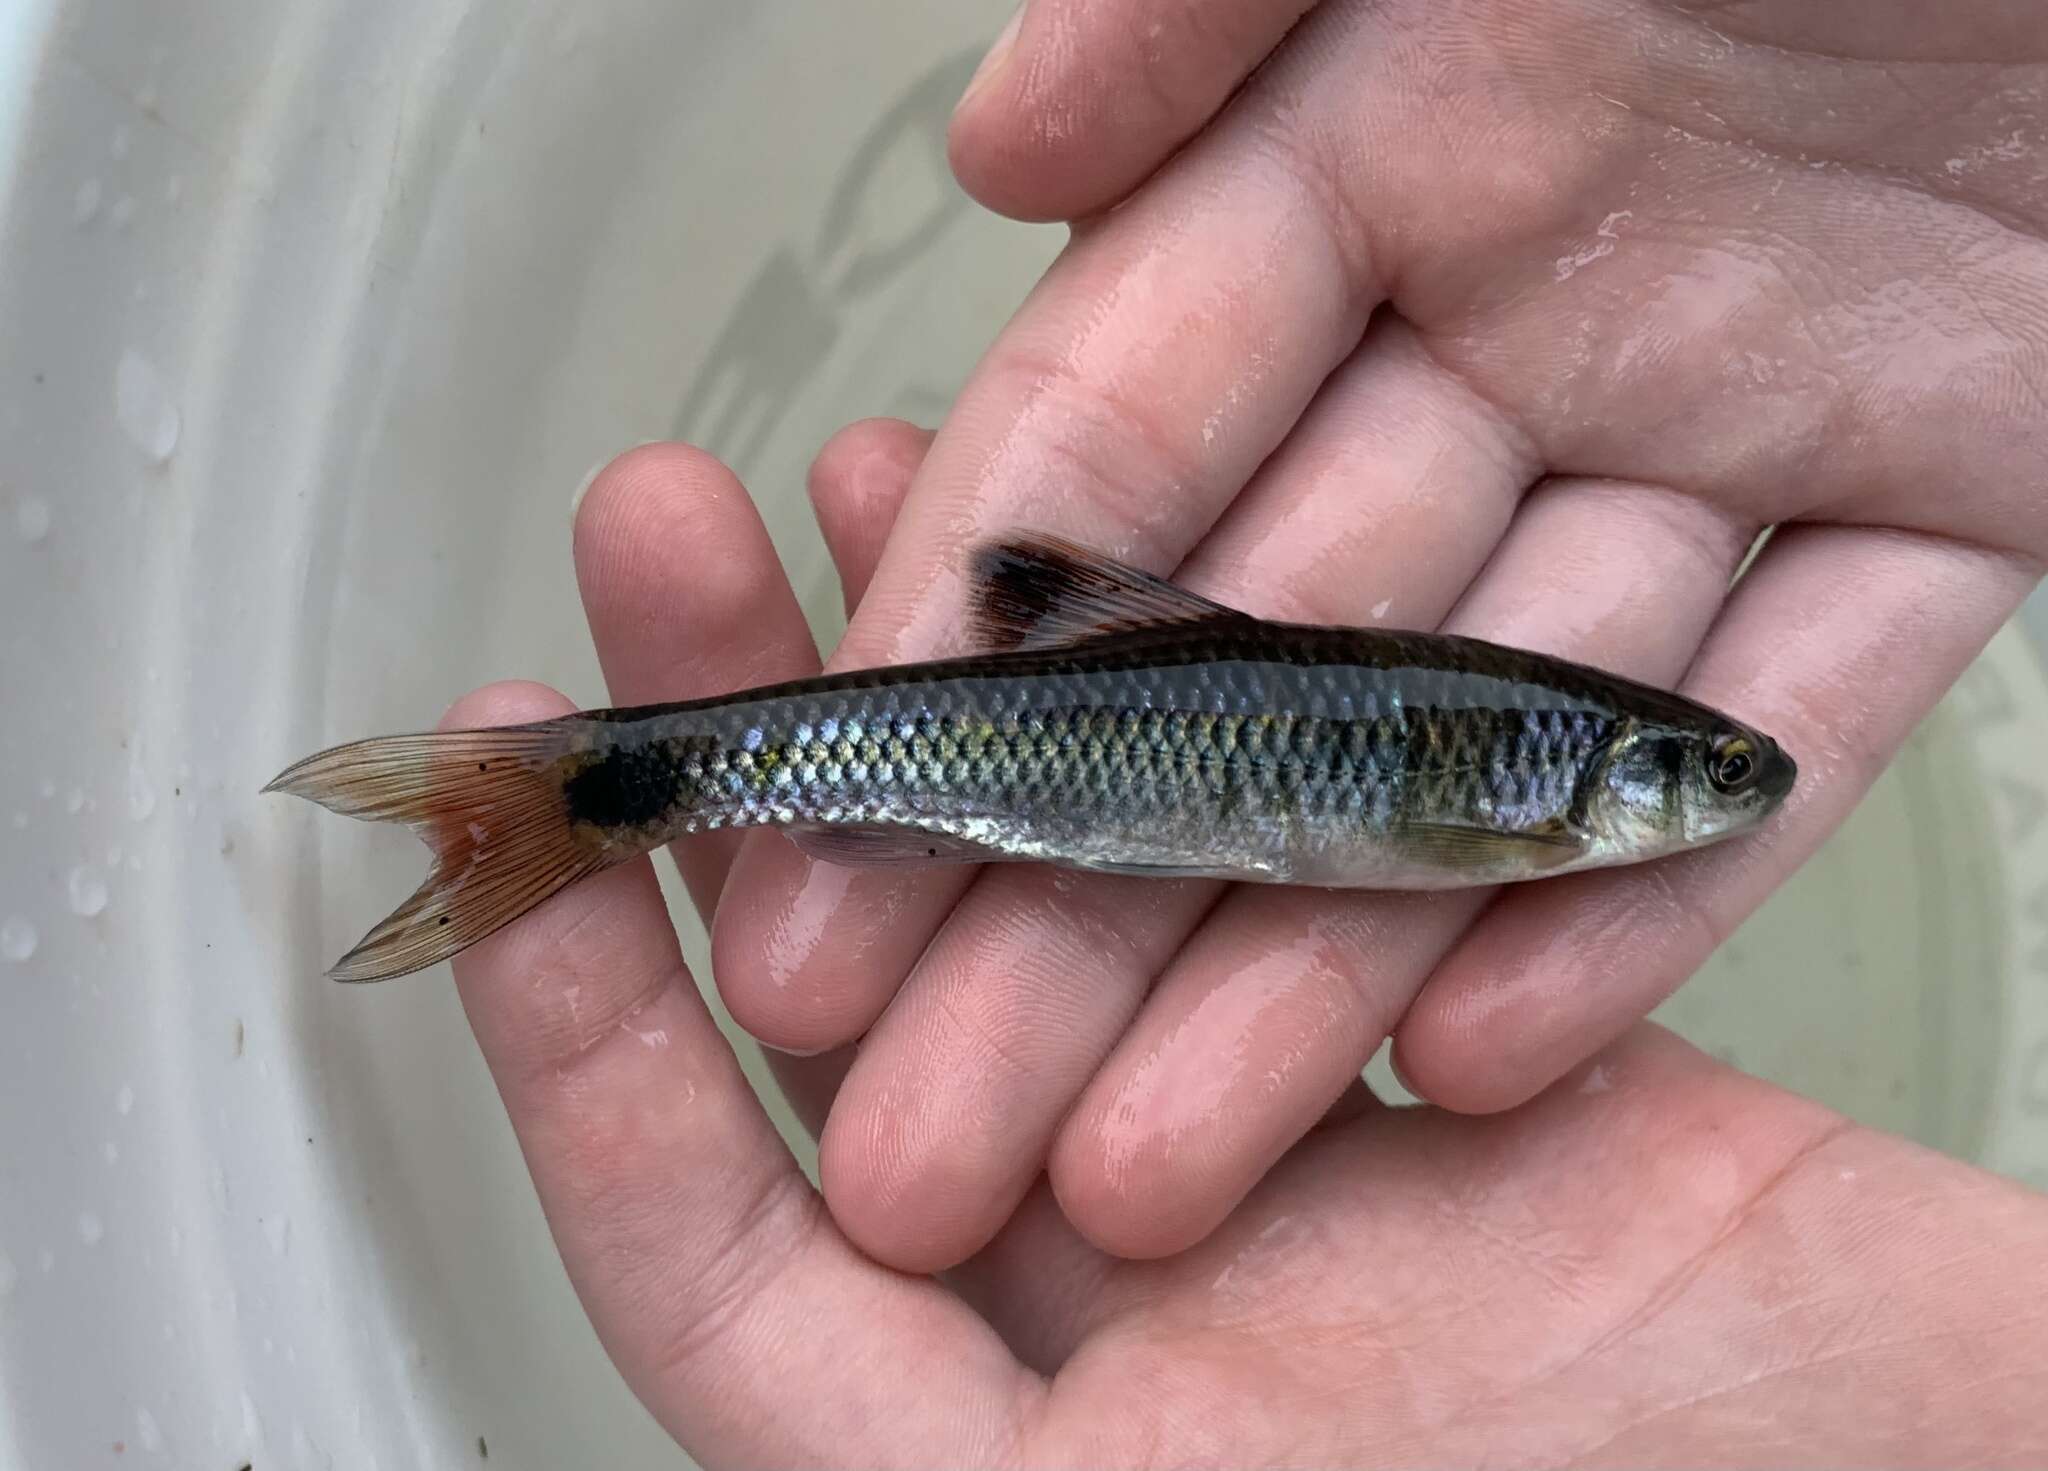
(880, 846)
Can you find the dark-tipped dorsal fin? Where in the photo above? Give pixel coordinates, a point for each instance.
(1034, 591)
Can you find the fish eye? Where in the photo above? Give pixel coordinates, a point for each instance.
(1732, 765)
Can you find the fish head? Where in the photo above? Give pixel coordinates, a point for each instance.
(1665, 785)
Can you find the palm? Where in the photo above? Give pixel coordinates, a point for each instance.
(1787, 259)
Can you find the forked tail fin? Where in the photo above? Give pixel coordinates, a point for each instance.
(490, 805)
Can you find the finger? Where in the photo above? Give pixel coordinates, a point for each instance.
(1238, 284)
(686, 598)
(1036, 1283)
(1271, 1010)
(857, 485)
(703, 1259)
(1077, 102)
(1836, 642)
(952, 1106)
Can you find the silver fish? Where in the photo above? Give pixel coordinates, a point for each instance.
(1119, 723)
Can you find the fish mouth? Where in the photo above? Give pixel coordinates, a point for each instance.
(1779, 772)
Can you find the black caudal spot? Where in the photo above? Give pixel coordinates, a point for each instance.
(626, 787)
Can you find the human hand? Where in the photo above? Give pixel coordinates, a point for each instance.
(1641, 278)
(1658, 1261)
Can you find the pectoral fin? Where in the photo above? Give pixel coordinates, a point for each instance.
(1479, 849)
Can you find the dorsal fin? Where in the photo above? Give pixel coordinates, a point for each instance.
(1039, 592)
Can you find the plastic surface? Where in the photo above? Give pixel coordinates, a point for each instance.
(316, 317)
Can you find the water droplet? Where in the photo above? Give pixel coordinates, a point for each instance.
(174, 188)
(117, 146)
(147, 1431)
(17, 938)
(122, 215)
(113, 855)
(20, 821)
(87, 890)
(74, 800)
(145, 100)
(85, 203)
(46, 1261)
(8, 1276)
(90, 1228)
(279, 1229)
(46, 789)
(32, 519)
(219, 1181)
(252, 1425)
(124, 1100)
(143, 406)
(111, 1150)
(141, 794)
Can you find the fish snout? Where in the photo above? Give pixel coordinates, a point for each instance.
(1778, 773)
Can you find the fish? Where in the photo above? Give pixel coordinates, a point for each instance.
(1111, 721)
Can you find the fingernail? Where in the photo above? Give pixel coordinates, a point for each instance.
(998, 52)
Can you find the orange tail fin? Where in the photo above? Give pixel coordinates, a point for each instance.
(489, 803)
